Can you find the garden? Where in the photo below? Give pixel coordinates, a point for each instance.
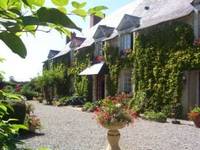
(55, 110)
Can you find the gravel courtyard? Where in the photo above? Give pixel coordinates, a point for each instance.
(65, 128)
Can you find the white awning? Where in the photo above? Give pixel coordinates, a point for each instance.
(92, 70)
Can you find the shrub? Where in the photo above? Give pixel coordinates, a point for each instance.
(74, 101)
(167, 110)
(89, 107)
(8, 131)
(155, 116)
(19, 110)
(28, 92)
(9, 89)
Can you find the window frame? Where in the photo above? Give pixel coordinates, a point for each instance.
(125, 81)
(125, 41)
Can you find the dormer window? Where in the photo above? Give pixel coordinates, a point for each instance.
(125, 43)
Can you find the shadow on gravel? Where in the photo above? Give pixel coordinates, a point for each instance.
(30, 135)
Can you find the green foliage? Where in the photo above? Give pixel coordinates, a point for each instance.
(89, 107)
(14, 43)
(115, 64)
(50, 77)
(71, 100)
(8, 131)
(28, 91)
(5, 95)
(161, 55)
(14, 22)
(9, 89)
(196, 109)
(159, 117)
(82, 61)
(51, 80)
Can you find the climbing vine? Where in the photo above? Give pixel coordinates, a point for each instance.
(162, 54)
(115, 63)
(82, 61)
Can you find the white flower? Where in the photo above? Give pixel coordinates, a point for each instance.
(118, 105)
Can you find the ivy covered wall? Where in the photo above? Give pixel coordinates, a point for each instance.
(81, 84)
(116, 64)
(162, 54)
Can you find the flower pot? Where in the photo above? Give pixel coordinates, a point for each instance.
(113, 135)
(195, 117)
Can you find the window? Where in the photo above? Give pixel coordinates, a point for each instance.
(125, 81)
(98, 49)
(125, 42)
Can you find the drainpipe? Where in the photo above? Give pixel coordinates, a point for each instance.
(196, 21)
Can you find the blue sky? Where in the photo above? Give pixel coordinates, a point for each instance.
(39, 46)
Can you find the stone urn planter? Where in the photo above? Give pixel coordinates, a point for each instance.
(114, 113)
(113, 135)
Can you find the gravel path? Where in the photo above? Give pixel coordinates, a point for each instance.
(68, 129)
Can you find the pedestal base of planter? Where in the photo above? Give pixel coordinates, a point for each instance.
(113, 137)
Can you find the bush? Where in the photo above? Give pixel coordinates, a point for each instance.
(89, 107)
(19, 110)
(74, 101)
(9, 89)
(28, 92)
(8, 131)
(167, 110)
(155, 116)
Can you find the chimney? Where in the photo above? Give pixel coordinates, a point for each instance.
(94, 20)
(69, 38)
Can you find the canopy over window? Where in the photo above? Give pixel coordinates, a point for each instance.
(96, 69)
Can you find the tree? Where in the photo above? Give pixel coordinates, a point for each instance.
(19, 16)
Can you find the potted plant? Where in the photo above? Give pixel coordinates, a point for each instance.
(114, 113)
(194, 115)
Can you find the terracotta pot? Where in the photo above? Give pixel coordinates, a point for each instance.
(195, 117)
(113, 135)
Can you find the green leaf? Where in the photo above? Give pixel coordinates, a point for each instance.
(100, 14)
(80, 12)
(14, 43)
(97, 10)
(36, 2)
(4, 4)
(100, 8)
(78, 5)
(30, 28)
(14, 4)
(30, 20)
(52, 15)
(39, 2)
(60, 2)
(3, 109)
(26, 2)
(62, 9)
(18, 126)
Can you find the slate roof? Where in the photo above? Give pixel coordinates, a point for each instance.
(52, 53)
(66, 50)
(158, 11)
(150, 12)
